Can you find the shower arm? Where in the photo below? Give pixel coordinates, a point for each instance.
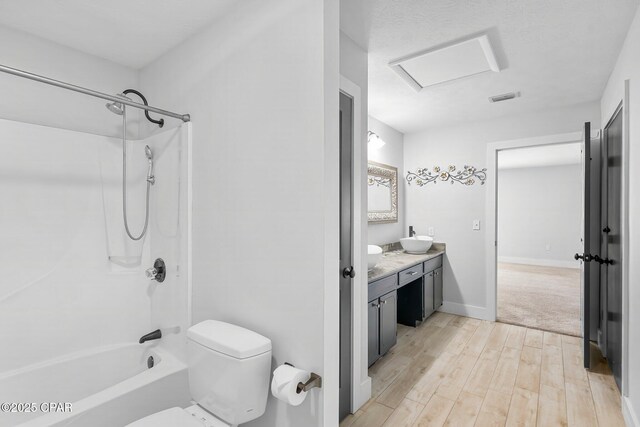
(90, 92)
(146, 112)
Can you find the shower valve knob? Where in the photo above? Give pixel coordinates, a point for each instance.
(158, 272)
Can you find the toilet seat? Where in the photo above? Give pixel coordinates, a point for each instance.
(193, 416)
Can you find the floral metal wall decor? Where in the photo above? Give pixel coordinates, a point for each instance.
(469, 175)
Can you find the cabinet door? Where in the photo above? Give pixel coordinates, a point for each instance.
(388, 321)
(427, 294)
(374, 331)
(437, 288)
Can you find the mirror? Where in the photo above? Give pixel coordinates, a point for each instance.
(382, 193)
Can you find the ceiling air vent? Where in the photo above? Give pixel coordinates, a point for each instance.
(446, 63)
(504, 97)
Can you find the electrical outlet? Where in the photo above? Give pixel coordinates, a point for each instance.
(431, 232)
(476, 224)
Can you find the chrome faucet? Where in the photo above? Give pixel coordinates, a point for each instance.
(411, 231)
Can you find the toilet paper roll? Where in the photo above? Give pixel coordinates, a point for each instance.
(285, 384)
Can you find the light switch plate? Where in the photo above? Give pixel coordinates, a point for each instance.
(476, 224)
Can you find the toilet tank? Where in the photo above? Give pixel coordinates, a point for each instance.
(229, 370)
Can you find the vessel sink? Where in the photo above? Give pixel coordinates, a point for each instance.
(373, 256)
(416, 244)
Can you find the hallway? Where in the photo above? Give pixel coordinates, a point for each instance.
(546, 298)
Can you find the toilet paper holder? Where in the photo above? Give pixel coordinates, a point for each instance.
(314, 381)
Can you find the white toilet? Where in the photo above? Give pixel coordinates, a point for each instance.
(229, 372)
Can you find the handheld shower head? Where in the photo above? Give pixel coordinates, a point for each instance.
(151, 179)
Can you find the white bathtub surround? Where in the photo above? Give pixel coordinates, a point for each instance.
(60, 293)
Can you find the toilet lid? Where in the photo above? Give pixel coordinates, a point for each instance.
(168, 418)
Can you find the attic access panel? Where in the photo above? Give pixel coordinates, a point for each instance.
(443, 64)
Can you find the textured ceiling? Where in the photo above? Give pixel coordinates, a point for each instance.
(128, 32)
(555, 52)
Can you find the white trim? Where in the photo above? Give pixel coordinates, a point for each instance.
(539, 262)
(188, 131)
(465, 310)
(624, 241)
(360, 381)
(491, 204)
(630, 416)
(329, 400)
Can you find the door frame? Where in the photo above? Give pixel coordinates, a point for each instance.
(491, 229)
(360, 380)
(624, 103)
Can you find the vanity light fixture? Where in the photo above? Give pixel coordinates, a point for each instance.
(374, 141)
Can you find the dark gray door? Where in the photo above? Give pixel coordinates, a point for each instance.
(346, 270)
(374, 331)
(611, 244)
(388, 321)
(427, 294)
(437, 288)
(586, 255)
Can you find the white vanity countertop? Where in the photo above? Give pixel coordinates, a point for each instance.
(395, 261)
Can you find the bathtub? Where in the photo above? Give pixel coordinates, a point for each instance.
(108, 386)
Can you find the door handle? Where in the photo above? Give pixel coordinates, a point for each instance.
(601, 261)
(606, 229)
(584, 257)
(349, 272)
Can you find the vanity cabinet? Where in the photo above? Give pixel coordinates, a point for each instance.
(432, 286)
(383, 326)
(428, 295)
(407, 297)
(382, 312)
(437, 288)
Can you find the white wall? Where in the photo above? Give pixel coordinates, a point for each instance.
(390, 154)
(261, 86)
(32, 102)
(628, 67)
(451, 209)
(540, 214)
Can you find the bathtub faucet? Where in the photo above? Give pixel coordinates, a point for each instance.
(155, 335)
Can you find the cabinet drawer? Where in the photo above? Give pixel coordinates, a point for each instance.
(432, 264)
(382, 286)
(410, 274)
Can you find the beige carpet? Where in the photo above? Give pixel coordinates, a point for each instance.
(546, 298)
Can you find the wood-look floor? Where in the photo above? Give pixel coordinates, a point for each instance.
(458, 371)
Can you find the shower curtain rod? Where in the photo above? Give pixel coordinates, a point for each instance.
(63, 85)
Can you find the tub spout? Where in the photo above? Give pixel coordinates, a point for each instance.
(155, 335)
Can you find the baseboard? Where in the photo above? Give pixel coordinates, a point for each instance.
(465, 310)
(540, 262)
(363, 395)
(630, 416)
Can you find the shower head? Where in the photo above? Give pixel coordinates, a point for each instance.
(117, 107)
